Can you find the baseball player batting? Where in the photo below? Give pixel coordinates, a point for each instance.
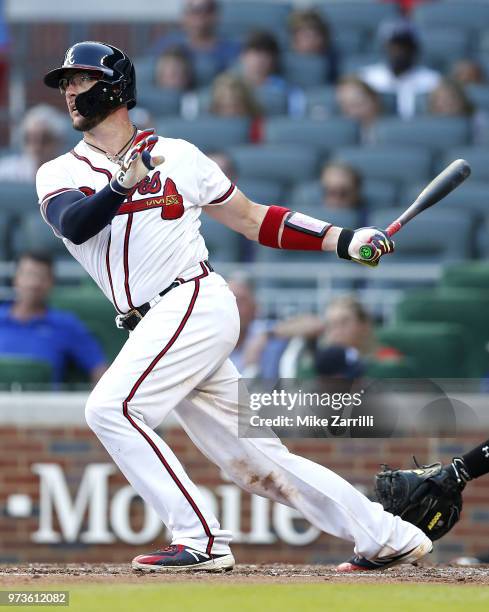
(126, 204)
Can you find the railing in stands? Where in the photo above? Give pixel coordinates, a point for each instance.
(285, 289)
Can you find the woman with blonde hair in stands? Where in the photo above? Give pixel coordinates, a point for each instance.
(449, 99)
(359, 101)
(232, 97)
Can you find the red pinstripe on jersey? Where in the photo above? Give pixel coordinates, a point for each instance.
(126, 260)
(138, 383)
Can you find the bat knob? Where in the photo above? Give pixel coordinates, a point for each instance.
(366, 252)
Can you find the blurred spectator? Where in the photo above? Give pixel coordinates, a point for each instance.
(335, 344)
(400, 73)
(260, 68)
(173, 70)
(232, 97)
(467, 71)
(30, 328)
(449, 99)
(342, 186)
(310, 35)
(359, 101)
(42, 135)
(225, 163)
(260, 61)
(256, 354)
(198, 35)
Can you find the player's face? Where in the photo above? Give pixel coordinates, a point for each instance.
(78, 83)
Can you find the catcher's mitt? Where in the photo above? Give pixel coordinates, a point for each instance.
(428, 496)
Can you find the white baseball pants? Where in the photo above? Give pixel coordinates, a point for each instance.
(177, 359)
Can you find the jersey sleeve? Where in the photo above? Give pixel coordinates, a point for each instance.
(51, 180)
(213, 186)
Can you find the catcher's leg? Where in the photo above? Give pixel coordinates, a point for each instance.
(179, 342)
(265, 467)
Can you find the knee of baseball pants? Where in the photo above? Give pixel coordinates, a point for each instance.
(100, 413)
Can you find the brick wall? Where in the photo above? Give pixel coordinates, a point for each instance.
(74, 448)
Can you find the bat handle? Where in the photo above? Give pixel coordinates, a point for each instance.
(393, 228)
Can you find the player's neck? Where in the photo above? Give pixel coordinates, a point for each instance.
(112, 134)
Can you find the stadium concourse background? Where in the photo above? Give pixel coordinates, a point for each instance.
(60, 496)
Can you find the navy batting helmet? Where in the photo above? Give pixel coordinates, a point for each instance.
(117, 84)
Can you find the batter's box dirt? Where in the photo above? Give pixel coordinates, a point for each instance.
(39, 573)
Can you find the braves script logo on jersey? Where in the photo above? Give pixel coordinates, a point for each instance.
(171, 202)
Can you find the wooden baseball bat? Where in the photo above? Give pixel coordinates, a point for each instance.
(443, 184)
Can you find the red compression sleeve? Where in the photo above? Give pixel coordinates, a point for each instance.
(270, 226)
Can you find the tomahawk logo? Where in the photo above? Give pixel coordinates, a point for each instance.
(485, 450)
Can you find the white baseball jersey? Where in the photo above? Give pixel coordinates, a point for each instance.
(155, 235)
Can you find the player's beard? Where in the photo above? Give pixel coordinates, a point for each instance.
(85, 124)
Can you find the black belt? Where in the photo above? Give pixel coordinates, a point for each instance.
(130, 320)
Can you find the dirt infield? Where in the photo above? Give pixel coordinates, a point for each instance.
(35, 575)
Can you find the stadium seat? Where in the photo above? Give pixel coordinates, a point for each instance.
(222, 243)
(364, 16)
(468, 14)
(159, 101)
(400, 164)
(406, 367)
(353, 64)
(304, 70)
(207, 133)
(441, 46)
(6, 223)
(467, 308)
(471, 197)
(479, 95)
(145, 68)
(33, 233)
(261, 190)
(377, 194)
(24, 373)
(435, 349)
(275, 162)
(18, 198)
(473, 274)
(273, 101)
(321, 101)
(98, 314)
(349, 40)
(437, 235)
(237, 18)
(324, 135)
(433, 132)
(478, 158)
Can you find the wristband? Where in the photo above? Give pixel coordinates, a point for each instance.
(118, 188)
(344, 239)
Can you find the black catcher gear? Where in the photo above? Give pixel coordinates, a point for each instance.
(429, 496)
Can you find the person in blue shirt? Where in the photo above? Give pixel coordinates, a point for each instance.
(30, 328)
(198, 36)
